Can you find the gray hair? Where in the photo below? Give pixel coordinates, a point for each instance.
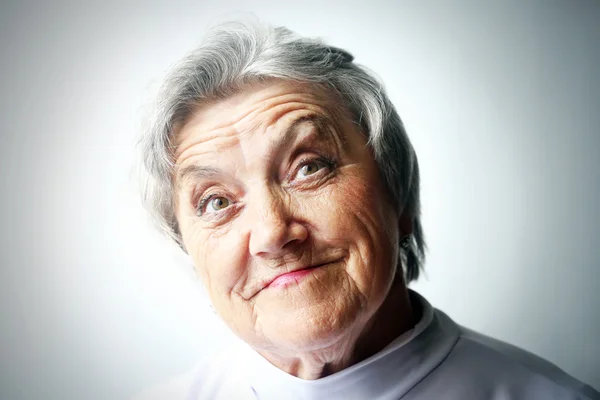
(237, 53)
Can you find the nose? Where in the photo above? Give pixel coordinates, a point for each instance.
(274, 231)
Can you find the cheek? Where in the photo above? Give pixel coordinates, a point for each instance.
(352, 213)
(218, 258)
(353, 216)
(354, 204)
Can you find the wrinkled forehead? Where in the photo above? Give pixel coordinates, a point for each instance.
(263, 111)
(266, 116)
(305, 130)
(254, 106)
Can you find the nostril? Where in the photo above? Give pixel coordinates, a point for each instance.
(297, 233)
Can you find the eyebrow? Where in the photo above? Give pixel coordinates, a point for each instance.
(195, 172)
(198, 172)
(317, 121)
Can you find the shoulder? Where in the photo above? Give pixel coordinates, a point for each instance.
(511, 365)
(478, 366)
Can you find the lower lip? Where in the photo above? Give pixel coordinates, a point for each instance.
(291, 278)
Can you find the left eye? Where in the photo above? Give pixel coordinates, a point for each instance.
(218, 203)
(311, 168)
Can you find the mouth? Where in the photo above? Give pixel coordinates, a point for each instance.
(294, 277)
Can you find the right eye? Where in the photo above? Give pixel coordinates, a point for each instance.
(213, 204)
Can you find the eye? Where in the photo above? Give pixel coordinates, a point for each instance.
(212, 204)
(311, 167)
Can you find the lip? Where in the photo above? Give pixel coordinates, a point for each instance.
(289, 278)
(293, 277)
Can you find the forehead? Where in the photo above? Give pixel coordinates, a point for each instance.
(271, 106)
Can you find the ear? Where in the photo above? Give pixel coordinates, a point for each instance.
(405, 225)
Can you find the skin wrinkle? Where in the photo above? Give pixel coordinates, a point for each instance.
(279, 221)
(261, 101)
(186, 170)
(318, 120)
(253, 127)
(291, 256)
(320, 106)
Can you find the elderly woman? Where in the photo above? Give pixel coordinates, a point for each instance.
(283, 170)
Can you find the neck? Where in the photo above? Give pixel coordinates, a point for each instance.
(395, 317)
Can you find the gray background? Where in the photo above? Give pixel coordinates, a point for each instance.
(501, 101)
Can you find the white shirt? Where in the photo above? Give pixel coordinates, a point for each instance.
(437, 359)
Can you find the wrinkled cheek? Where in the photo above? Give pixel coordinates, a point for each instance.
(359, 218)
(220, 263)
(354, 210)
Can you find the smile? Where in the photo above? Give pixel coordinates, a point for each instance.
(293, 277)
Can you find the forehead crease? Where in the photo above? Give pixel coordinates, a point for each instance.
(200, 149)
(320, 127)
(194, 172)
(221, 137)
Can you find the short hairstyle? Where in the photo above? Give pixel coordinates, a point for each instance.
(237, 53)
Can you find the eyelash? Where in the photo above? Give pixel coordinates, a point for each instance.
(204, 201)
(330, 163)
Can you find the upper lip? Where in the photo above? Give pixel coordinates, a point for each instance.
(269, 281)
(266, 282)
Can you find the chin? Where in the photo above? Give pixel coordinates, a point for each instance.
(311, 327)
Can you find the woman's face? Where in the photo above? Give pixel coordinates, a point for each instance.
(283, 211)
